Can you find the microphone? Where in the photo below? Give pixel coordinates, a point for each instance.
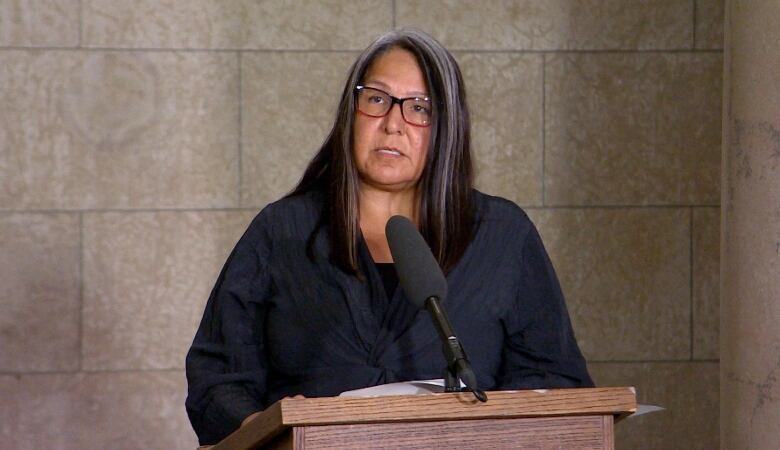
(424, 284)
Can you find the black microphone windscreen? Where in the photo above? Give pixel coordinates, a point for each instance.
(418, 272)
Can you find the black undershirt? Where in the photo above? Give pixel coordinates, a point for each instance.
(389, 277)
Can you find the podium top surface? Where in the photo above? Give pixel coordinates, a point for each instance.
(289, 412)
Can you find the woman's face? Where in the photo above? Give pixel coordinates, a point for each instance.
(389, 152)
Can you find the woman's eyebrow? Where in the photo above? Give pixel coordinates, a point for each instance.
(386, 87)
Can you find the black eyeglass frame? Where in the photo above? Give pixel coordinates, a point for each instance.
(393, 101)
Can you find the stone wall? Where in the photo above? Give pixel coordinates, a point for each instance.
(138, 139)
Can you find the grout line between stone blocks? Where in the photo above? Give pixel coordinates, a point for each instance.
(651, 361)
(544, 126)
(80, 324)
(81, 24)
(240, 128)
(250, 208)
(693, 32)
(354, 50)
(616, 206)
(94, 371)
(690, 264)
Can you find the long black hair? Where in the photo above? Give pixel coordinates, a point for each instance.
(445, 209)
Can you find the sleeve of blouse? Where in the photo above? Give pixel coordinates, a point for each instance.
(226, 367)
(540, 350)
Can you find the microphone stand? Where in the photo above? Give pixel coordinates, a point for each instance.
(458, 365)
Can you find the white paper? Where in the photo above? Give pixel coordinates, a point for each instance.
(646, 409)
(418, 387)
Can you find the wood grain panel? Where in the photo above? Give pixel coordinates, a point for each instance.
(537, 433)
(608, 422)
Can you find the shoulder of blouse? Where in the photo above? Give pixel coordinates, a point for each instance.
(297, 208)
(498, 211)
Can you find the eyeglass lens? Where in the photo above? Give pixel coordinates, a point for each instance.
(376, 103)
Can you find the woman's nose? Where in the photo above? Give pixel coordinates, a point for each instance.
(394, 120)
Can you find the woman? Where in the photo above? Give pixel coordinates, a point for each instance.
(307, 302)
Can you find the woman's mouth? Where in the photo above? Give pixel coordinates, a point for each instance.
(389, 151)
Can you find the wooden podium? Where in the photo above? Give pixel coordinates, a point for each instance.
(541, 419)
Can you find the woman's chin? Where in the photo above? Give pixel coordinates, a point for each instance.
(390, 184)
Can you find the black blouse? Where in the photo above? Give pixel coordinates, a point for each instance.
(279, 323)
(389, 278)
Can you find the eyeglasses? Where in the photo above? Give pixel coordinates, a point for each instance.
(373, 102)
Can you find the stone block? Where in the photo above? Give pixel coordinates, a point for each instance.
(626, 277)
(39, 23)
(147, 277)
(83, 130)
(709, 24)
(40, 279)
(95, 411)
(288, 107)
(504, 92)
(687, 390)
(633, 129)
(240, 24)
(552, 24)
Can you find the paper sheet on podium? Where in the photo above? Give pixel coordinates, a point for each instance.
(423, 387)
(418, 387)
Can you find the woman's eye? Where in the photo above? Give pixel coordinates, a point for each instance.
(420, 109)
(376, 99)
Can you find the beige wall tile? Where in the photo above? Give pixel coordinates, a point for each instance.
(118, 129)
(552, 24)
(688, 391)
(626, 277)
(147, 277)
(95, 411)
(504, 92)
(39, 23)
(709, 24)
(246, 24)
(632, 129)
(288, 107)
(39, 292)
(706, 282)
